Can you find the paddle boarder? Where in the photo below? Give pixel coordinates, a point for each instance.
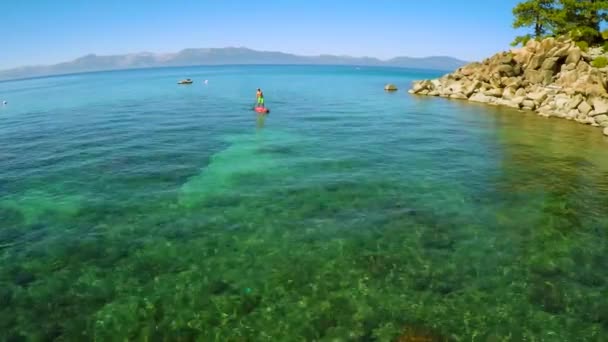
(260, 98)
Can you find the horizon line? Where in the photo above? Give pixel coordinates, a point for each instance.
(212, 65)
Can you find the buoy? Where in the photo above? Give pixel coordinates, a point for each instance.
(4, 102)
(206, 81)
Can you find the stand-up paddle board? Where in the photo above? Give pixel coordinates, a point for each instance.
(261, 110)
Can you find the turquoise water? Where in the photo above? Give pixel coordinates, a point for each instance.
(136, 209)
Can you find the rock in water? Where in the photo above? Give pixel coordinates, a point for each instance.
(482, 98)
(528, 104)
(600, 105)
(390, 87)
(538, 97)
(508, 93)
(458, 96)
(601, 120)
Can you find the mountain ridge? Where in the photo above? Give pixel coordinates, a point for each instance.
(218, 56)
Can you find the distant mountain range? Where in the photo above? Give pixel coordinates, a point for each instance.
(220, 56)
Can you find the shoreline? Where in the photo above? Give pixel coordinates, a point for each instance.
(552, 77)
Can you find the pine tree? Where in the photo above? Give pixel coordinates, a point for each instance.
(581, 19)
(538, 14)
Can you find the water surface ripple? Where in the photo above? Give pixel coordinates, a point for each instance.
(133, 208)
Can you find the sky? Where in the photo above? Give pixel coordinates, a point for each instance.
(36, 32)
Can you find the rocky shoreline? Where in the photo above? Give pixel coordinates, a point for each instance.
(552, 77)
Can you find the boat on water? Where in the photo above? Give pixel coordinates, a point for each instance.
(186, 81)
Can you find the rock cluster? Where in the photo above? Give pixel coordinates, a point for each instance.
(552, 77)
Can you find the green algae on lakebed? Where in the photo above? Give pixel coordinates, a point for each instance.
(323, 226)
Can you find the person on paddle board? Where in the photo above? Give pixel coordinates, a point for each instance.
(260, 98)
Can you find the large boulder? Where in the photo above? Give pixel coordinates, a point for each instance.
(482, 98)
(574, 102)
(561, 102)
(518, 101)
(547, 44)
(505, 70)
(600, 105)
(547, 76)
(574, 55)
(538, 97)
(584, 119)
(585, 108)
(495, 92)
(536, 62)
(508, 93)
(470, 69)
(521, 56)
(436, 83)
(568, 67)
(583, 67)
(517, 70)
(601, 120)
(567, 78)
(417, 87)
(528, 104)
(550, 64)
(534, 76)
(546, 111)
(572, 114)
(507, 103)
(514, 82)
(454, 87)
(496, 82)
(469, 88)
(590, 84)
(560, 51)
(533, 45)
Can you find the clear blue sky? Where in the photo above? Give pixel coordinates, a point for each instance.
(51, 31)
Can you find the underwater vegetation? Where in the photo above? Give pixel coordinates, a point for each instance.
(344, 261)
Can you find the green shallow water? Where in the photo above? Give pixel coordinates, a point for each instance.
(135, 209)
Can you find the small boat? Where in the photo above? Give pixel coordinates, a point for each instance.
(186, 81)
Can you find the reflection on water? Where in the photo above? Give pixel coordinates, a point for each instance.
(260, 120)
